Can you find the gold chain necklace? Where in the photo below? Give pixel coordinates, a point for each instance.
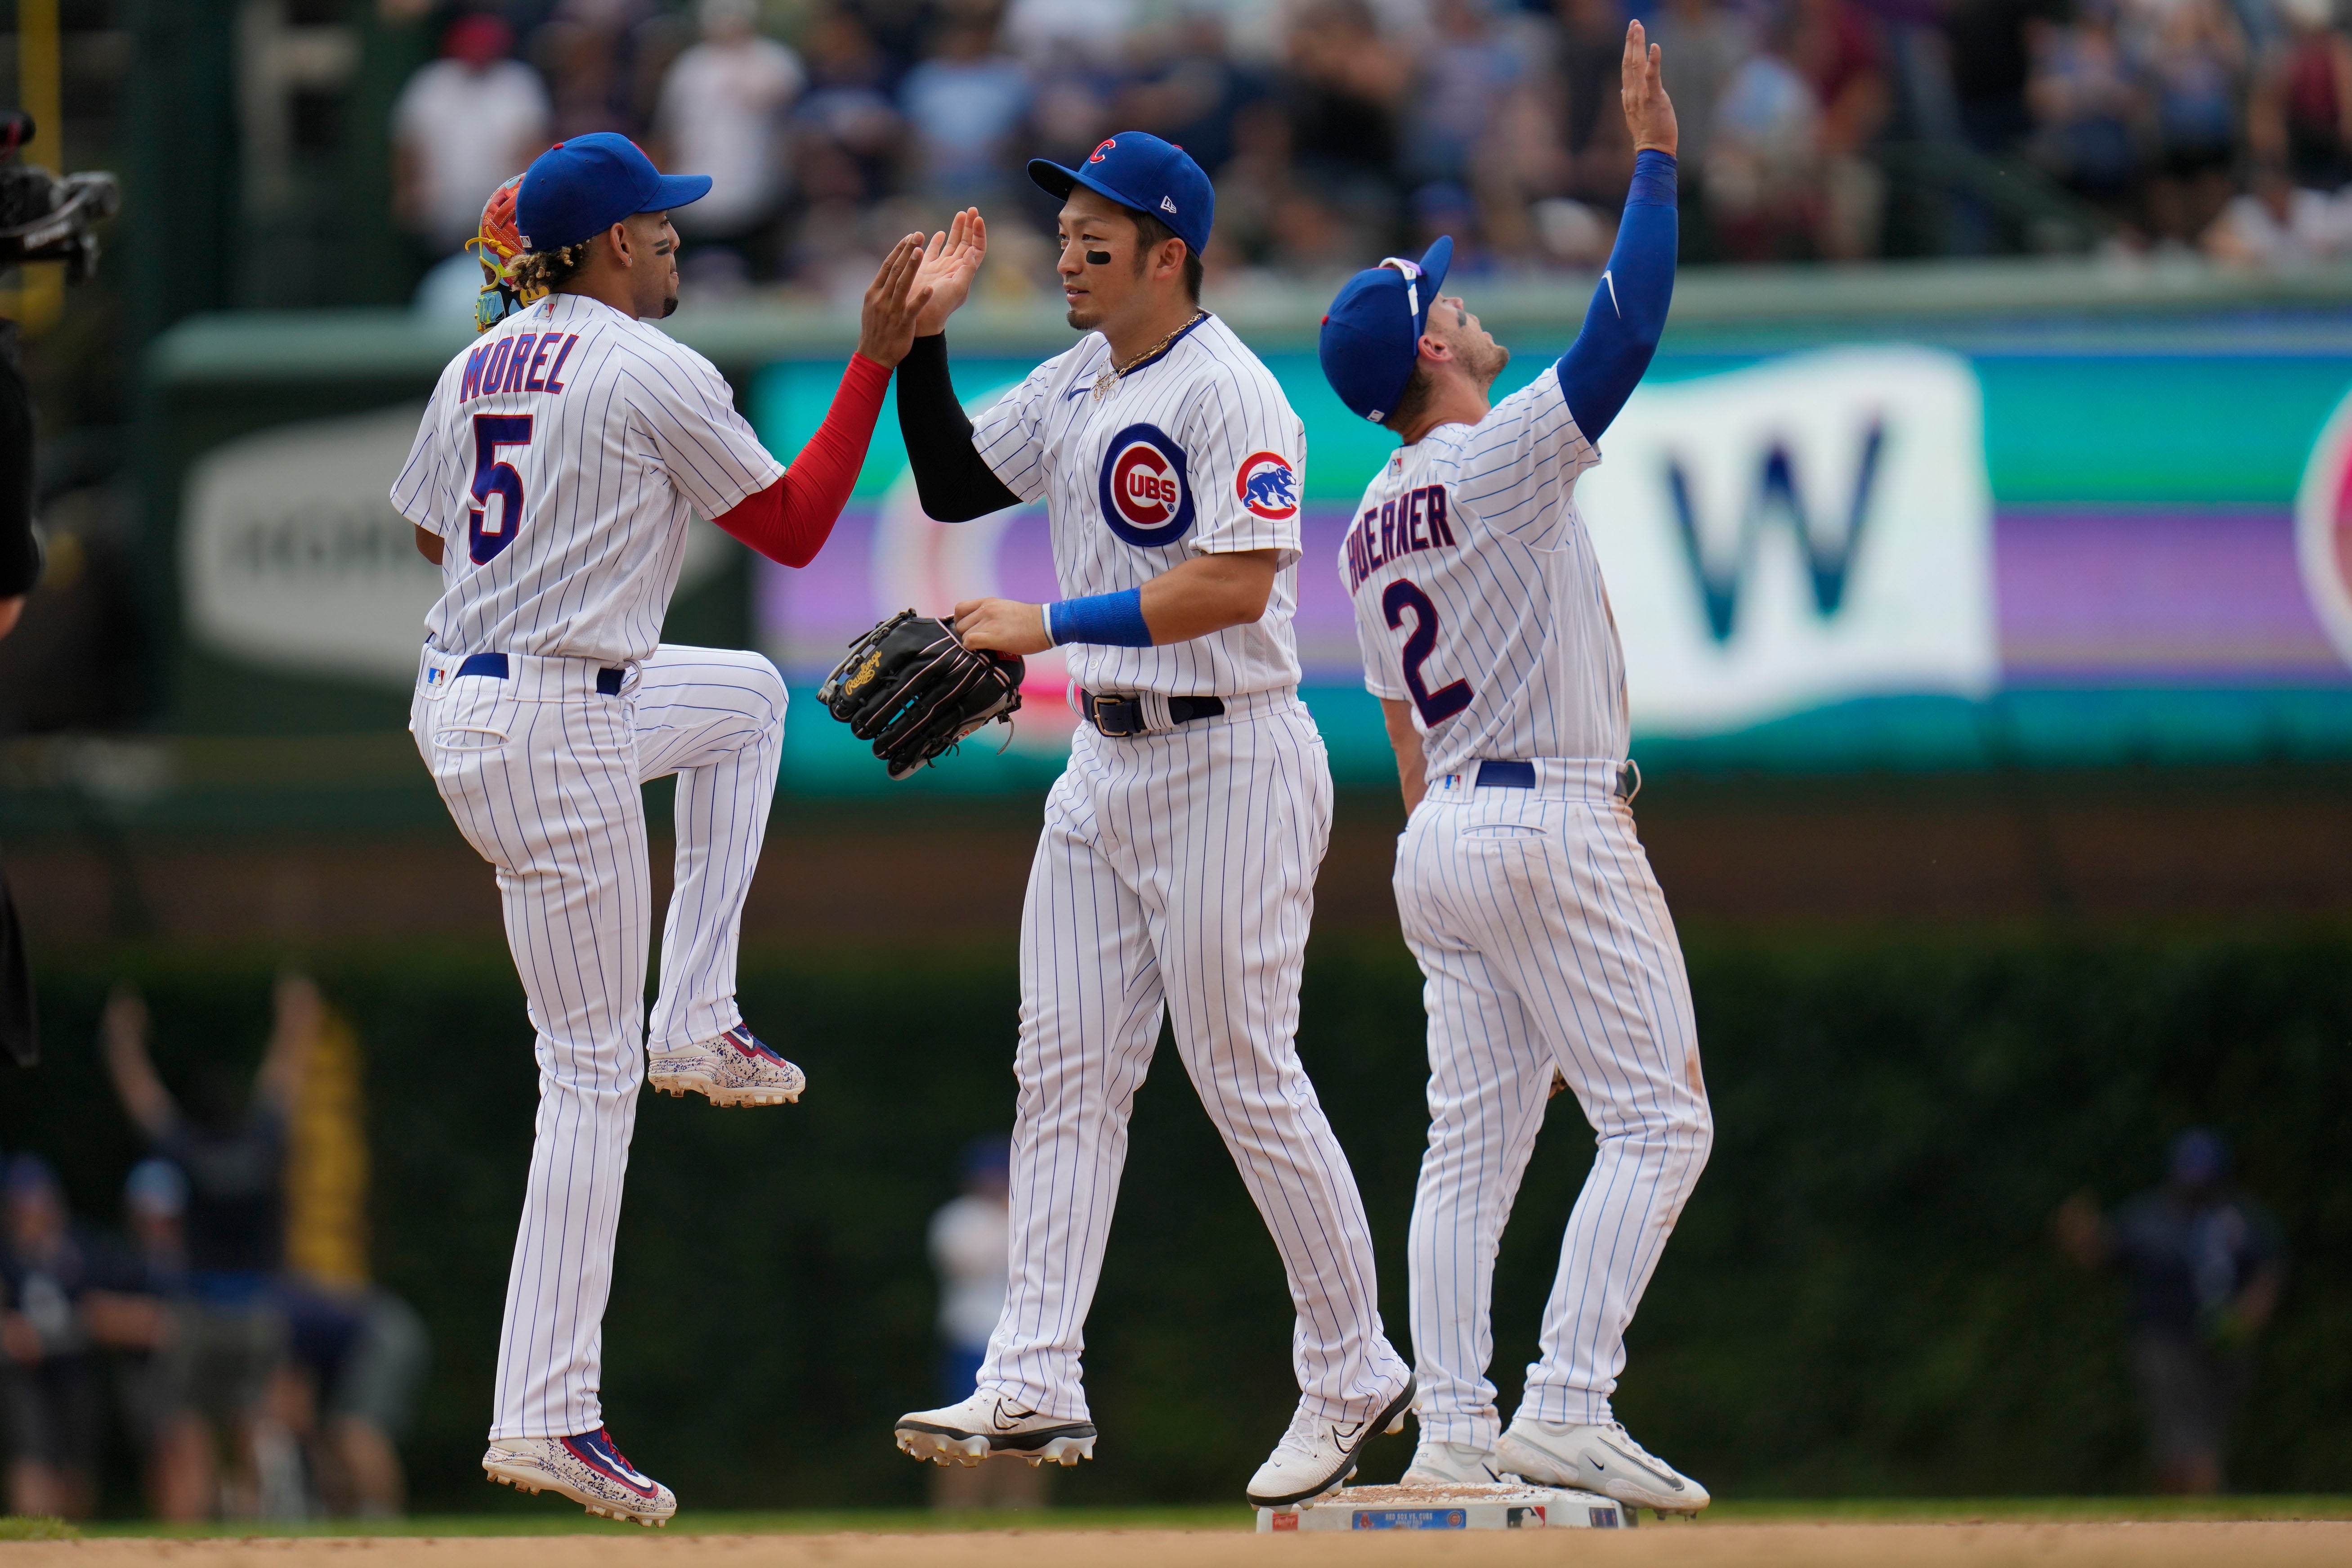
(1108, 377)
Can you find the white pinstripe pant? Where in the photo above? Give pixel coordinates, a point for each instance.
(1545, 943)
(1177, 872)
(541, 775)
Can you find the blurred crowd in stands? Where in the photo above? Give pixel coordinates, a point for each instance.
(1342, 130)
(241, 1377)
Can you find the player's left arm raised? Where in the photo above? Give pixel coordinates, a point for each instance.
(1628, 313)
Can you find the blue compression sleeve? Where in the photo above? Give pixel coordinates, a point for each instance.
(1114, 620)
(1628, 312)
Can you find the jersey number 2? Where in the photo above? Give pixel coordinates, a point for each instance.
(1446, 700)
(486, 534)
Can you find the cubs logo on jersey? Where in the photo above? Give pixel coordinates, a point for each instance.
(1268, 486)
(1146, 497)
(1161, 468)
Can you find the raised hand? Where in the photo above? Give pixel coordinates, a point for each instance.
(952, 257)
(886, 326)
(1649, 112)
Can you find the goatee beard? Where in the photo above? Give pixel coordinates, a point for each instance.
(670, 307)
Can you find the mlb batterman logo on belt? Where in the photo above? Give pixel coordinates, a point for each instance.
(1146, 497)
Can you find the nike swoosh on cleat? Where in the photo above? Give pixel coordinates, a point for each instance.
(1343, 1437)
(642, 1485)
(1671, 1482)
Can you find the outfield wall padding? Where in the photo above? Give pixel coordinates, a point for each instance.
(1862, 1297)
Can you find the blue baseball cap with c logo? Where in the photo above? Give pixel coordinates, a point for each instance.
(1137, 169)
(578, 189)
(1372, 336)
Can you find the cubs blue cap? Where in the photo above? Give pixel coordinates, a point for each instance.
(1139, 170)
(580, 189)
(1372, 335)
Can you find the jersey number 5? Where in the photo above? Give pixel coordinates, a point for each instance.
(1446, 701)
(487, 531)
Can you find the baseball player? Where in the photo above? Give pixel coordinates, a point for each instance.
(1525, 894)
(1176, 871)
(552, 481)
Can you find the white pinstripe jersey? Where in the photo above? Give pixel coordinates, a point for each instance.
(1478, 594)
(1194, 453)
(559, 461)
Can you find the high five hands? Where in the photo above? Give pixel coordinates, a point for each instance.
(950, 261)
(920, 286)
(1649, 112)
(893, 300)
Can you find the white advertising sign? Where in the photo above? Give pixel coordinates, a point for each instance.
(1815, 528)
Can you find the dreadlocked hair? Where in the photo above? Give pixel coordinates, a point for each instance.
(537, 272)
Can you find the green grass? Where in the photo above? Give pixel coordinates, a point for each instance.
(562, 1519)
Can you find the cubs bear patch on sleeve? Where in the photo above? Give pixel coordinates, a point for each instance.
(1248, 452)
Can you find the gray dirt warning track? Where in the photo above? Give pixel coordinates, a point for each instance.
(2268, 1545)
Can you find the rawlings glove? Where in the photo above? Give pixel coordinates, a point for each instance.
(913, 688)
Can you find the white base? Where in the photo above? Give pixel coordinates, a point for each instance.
(1450, 1508)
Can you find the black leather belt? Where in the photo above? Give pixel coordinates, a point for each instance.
(494, 665)
(1120, 717)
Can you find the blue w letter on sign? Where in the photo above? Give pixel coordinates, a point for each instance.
(1778, 497)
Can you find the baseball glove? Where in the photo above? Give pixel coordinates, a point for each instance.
(913, 688)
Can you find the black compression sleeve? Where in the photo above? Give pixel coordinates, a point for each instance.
(955, 483)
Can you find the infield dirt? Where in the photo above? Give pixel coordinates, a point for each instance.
(2245, 1545)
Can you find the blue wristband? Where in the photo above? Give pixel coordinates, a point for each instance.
(1653, 180)
(1114, 620)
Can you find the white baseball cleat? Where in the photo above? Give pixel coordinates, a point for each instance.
(1436, 1464)
(989, 1426)
(588, 1469)
(736, 1068)
(1318, 1454)
(1597, 1460)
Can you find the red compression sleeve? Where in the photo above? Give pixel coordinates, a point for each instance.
(792, 519)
